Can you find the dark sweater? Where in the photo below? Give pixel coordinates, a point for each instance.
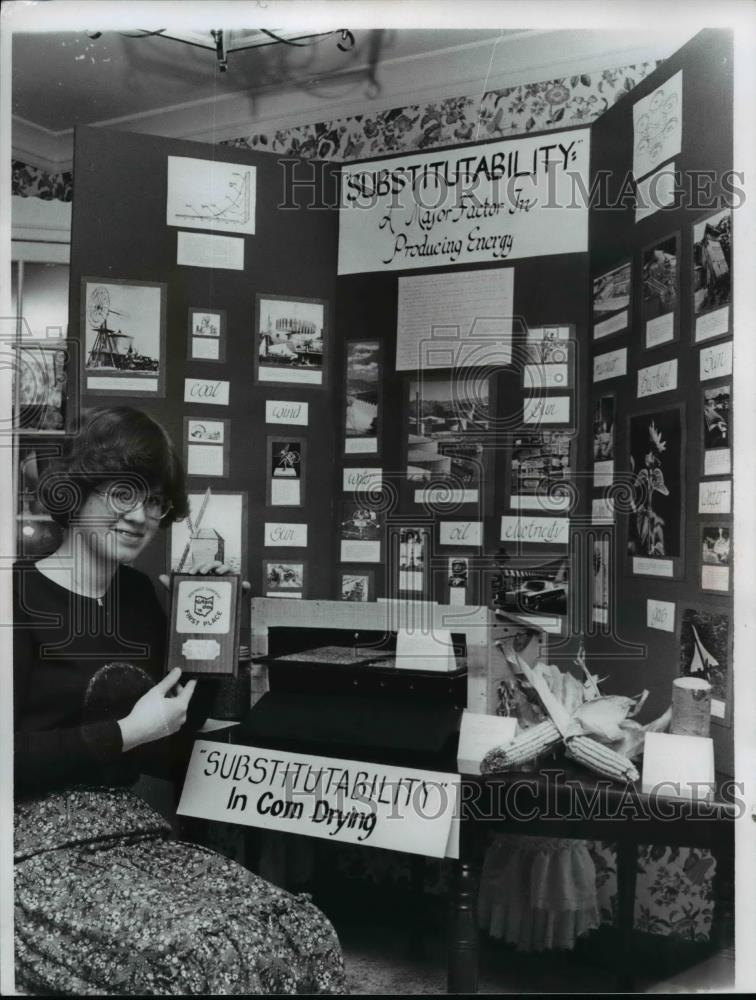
(68, 695)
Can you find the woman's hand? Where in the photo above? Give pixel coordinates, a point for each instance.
(157, 713)
(203, 569)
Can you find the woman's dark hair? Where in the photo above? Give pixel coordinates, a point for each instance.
(114, 442)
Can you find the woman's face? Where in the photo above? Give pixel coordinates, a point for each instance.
(111, 533)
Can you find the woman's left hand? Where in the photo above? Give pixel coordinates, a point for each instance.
(218, 568)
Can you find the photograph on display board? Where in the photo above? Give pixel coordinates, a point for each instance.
(448, 423)
(124, 336)
(705, 654)
(206, 447)
(363, 375)
(716, 417)
(712, 262)
(291, 340)
(206, 334)
(716, 557)
(656, 454)
(603, 429)
(541, 589)
(660, 291)
(214, 531)
(611, 301)
(356, 585)
(286, 471)
(549, 364)
(539, 465)
(458, 579)
(283, 579)
(360, 533)
(414, 548)
(42, 386)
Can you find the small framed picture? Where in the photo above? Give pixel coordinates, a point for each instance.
(363, 377)
(549, 364)
(612, 291)
(412, 547)
(661, 284)
(716, 429)
(356, 585)
(206, 334)
(286, 471)
(604, 408)
(291, 340)
(712, 275)
(656, 518)
(361, 531)
(716, 557)
(705, 642)
(206, 447)
(284, 579)
(123, 323)
(214, 531)
(541, 470)
(458, 579)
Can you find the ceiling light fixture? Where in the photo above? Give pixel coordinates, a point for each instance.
(224, 42)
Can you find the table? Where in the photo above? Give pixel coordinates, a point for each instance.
(565, 801)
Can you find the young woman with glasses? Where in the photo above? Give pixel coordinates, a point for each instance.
(106, 900)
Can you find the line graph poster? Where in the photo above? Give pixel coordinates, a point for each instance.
(208, 194)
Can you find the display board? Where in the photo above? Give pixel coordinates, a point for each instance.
(660, 404)
(199, 298)
(477, 368)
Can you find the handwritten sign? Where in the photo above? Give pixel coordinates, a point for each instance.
(610, 365)
(285, 535)
(715, 497)
(716, 362)
(200, 390)
(395, 808)
(282, 411)
(487, 203)
(364, 480)
(660, 615)
(536, 530)
(461, 533)
(657, 378)
(546, 410)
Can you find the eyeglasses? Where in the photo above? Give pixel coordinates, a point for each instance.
(123, 498)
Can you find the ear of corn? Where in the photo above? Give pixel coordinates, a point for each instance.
(600, 758)
(531, 744)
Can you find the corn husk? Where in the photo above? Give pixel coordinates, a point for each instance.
(602, 717)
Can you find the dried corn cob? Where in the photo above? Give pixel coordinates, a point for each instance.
(601, 758)
(526, 747)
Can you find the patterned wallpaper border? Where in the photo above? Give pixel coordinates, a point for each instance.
(529, 107)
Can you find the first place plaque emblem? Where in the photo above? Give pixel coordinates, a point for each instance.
(204, 626)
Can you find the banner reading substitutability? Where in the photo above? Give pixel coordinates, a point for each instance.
(524, 197)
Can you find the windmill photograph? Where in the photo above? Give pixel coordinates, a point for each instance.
(124, 335)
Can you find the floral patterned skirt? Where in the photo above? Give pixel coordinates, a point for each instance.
(107, 903)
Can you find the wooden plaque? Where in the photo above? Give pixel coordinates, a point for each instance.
(204, 624)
